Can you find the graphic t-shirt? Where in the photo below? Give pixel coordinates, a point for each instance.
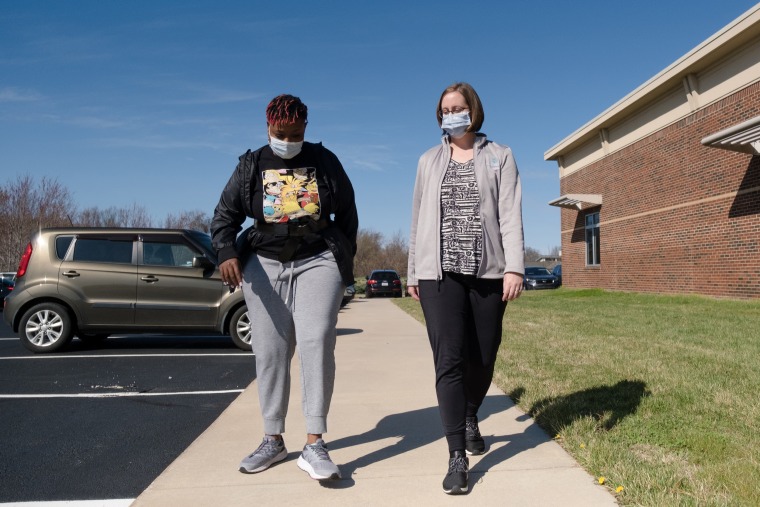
(291, 191)
(290, 194)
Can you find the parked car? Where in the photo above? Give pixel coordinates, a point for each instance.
(94, 282)
(6, 285)
(383, 282)
(557, 271)
(539, 278)
(348, 295)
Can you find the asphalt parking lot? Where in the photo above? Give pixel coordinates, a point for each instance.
(102, 423)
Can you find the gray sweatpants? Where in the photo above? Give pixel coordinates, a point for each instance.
(294, 302)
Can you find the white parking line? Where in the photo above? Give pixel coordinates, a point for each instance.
(237, 354)
(125, 502)
(114, 395)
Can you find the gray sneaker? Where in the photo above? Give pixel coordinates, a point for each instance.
(270, 451)
(315, 461)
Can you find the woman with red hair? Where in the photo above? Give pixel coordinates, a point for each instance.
(293, 266)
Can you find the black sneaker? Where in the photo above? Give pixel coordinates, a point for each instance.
(455, 482)
(473, 442)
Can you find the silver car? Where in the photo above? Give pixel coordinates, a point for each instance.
(94, 282)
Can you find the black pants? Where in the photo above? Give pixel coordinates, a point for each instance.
(463, 316)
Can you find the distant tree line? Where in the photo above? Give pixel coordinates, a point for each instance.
(27, 205)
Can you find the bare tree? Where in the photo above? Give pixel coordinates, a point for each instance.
(197, 220)
(369, 247)
(532, 255)
(396, 254)
(134, 216)
(25, 207)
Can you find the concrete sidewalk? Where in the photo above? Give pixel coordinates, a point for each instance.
(385, 435)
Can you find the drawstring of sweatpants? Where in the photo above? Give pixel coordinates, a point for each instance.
(290, 280)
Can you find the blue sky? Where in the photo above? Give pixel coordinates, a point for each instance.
(151, 102)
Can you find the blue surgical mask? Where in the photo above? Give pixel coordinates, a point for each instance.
(284, 149)
(455, 124)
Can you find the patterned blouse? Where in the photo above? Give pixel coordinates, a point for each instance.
(461, 233)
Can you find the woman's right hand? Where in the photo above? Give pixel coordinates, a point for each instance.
(230, 271)
(414, 292)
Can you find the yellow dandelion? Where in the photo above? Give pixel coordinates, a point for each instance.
(619, 489)
(583, 446)
(602, 480)
(557, 436)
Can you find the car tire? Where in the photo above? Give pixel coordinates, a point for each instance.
(46, 327)
(240, 328)
(368, 295)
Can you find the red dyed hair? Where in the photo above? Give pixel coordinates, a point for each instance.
(286, 109)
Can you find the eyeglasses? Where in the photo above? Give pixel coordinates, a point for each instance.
(454, 110)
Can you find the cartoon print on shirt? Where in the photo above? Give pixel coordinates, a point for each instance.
(310, 201)
(290, 194)
(272, 201)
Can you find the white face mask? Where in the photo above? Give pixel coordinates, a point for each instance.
(455, 124)
(284, 149)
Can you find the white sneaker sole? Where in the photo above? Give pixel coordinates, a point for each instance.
(456, 491)
(306, 467)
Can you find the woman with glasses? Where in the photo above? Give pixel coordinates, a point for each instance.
(465, 263)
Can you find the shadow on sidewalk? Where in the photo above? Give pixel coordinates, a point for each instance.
(418, 428)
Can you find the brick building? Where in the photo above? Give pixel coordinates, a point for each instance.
(661, 192)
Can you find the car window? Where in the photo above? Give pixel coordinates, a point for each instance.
(380, 275)
(167, 254)
(62, 244)
(202, 238)
(537, 271)
(102, 250)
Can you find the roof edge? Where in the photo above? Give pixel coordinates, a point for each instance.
(663, 79)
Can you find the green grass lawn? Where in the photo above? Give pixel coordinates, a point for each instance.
(657, 394)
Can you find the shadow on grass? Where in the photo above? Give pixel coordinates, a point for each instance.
(608, 405)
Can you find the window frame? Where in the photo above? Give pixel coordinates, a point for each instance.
(592, 239)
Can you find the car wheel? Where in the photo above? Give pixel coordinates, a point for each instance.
(240, 328)
(368, 295)
(46, 327)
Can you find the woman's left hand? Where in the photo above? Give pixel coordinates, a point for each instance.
(513, 286)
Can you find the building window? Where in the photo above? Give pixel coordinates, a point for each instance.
(592, 239)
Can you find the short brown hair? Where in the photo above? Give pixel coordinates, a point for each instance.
(477, 115)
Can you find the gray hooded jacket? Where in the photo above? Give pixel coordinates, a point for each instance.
(500, 212)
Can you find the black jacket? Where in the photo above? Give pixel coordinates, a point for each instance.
(243, 197)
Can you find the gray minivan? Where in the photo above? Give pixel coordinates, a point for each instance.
(94, 282)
